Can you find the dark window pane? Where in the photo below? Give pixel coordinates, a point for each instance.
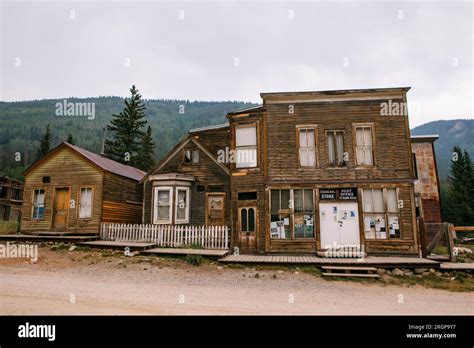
(243, 220)
(243, 196)
(308, 201)
(285, 199)
(298, 196)
(251, 220)
(275, 197)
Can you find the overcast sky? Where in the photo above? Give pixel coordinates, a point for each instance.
(234, 50)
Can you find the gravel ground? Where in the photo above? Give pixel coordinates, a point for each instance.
(118, 285)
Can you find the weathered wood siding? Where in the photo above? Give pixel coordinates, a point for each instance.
(66, 169)
(392, 152)
(122, 200)
(207, 174)
(248, 180)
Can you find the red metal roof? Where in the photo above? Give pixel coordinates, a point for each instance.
(110, 165)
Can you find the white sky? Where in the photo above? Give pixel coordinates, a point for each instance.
(426, 45)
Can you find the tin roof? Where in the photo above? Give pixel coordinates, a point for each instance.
(109, 165)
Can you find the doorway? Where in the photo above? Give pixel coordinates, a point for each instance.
(215, 210)
(61, 200)
(339, 224)
(247, 225)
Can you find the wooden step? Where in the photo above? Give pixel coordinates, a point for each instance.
(350, 268)
(356, 275)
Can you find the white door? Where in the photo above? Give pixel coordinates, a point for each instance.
(339, 224)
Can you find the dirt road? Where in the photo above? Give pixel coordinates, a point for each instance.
(63, 282)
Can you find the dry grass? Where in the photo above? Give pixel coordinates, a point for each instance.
(8, 227)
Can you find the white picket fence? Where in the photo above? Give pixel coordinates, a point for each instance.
(211, 237)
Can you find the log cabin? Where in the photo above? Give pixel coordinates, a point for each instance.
(303, 173)
(71, 191)
(427, 187)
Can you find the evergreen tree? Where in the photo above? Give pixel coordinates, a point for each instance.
(126, 130)
(459, 204)
(45, 144)
(146, 151)
(70, 139)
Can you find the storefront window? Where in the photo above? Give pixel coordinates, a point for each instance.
(381, 218)
(292, 214)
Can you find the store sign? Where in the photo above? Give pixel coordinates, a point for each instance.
(338, 194)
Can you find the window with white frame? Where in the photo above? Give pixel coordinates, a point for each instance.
(364, 146)
(246, 146)
(163, 205)
(182, 205)
(381, 214)
(307, 146)
(38, 204)
(335, 148)
(85, 203)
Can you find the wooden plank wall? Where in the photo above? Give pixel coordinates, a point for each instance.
(122, 199)
(66, 169)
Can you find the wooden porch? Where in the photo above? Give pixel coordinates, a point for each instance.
(373, 261)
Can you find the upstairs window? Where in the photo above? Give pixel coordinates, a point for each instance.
(191, 156)
(307, 147)
(335, 148)
(246, 146)
(38, 204)
(364, 146)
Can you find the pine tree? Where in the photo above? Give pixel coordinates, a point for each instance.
(146, 151)
(126, 130)
(459, 205)
(45, 144)
(70, 139)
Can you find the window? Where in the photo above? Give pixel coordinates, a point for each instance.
(163, 204)
(247, 220)
(380, 208)
(307, 149)
(303, 217)
(38, 204)
(246, 146)
(85, 203)
(46, 179)
(182, 205)
(191, 156)
(335, 148)
(415, 165)
(291, 214)
(246, 196)
(364, 147)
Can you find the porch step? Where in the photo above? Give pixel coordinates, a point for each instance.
(187, 251)
(39, 239)
(356, 275)
(118, 245)
(350, 271)
(349, 268)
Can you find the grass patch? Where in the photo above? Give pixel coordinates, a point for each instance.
(440, 250)
(194, 260)
(8, 227)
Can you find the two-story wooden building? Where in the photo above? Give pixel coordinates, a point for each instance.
(303, 172)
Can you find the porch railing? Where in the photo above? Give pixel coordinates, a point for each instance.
(208, 237)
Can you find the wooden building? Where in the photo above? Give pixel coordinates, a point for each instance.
(302, 173)
(427, 188)
(190, 185)
(11, 196)
(72, 190)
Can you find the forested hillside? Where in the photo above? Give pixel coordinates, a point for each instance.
(22, 125)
